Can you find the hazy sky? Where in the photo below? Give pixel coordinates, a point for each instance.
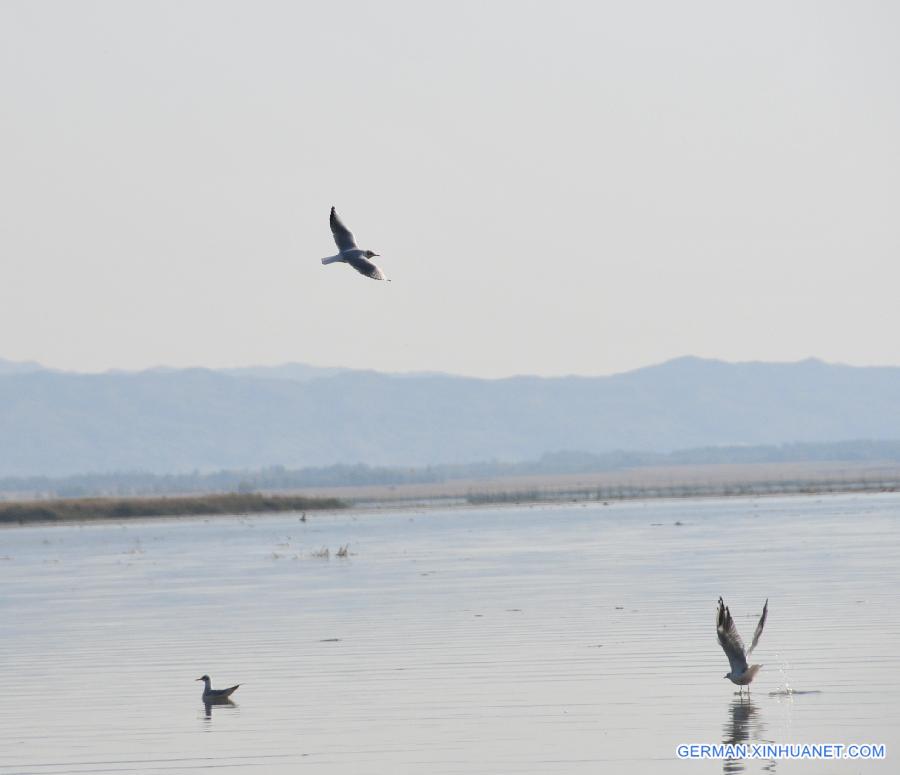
(565, 187)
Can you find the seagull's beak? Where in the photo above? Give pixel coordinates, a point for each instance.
(198, 679)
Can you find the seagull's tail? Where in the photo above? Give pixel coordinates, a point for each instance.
(331, 259)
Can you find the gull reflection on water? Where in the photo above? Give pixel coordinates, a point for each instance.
(224, 702)
(743, 725)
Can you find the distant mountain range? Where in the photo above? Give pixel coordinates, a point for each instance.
(176, 420)
(19, 367)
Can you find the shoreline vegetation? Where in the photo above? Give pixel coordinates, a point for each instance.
(843, 458)
(676, 491)
(716, 481)
(90, 509)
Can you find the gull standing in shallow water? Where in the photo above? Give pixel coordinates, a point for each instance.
(741, 674)
(213, 695)
(350, 253)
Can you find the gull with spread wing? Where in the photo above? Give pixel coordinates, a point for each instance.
(349, 252)
(741, 673)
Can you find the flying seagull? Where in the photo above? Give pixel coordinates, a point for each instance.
(740, 674)
(349, 252)
(214, 695)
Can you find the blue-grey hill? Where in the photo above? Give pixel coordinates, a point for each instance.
(171, 420)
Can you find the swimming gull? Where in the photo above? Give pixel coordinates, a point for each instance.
(350, 253)
(212, 695)
(740, 674)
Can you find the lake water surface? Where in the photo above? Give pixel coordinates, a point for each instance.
(552, 639)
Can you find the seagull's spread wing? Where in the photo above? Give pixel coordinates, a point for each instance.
(729, 640)
(343, 237)
(759, 627)
(366, 267)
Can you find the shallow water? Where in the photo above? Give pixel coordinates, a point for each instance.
(513, 640)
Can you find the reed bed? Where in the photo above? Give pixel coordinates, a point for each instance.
(70, 509)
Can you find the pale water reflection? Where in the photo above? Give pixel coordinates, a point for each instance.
(743, 726)
(218, 703)
(567, 639)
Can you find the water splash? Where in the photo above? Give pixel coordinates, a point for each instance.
(785, 689)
